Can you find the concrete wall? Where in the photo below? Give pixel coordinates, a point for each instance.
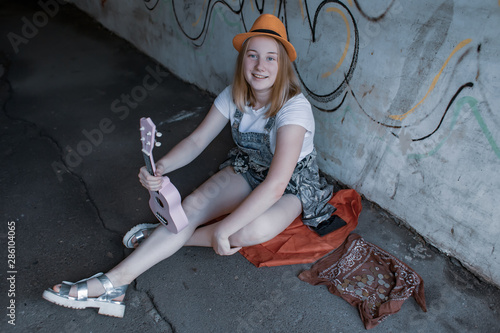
(405, 94)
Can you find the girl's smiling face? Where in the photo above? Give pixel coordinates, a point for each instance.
(260, 64)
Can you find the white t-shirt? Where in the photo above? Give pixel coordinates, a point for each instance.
(296, 111)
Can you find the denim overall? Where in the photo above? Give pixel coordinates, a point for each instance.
(252, 158)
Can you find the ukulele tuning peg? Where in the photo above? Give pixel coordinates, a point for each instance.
(142, 128)
(149, 133)
(159, 134)
(157, 144)
(143, 139)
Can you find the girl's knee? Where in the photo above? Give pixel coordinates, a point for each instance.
(194, 206)
(193, 202)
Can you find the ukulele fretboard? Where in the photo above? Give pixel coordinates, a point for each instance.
(149, 166)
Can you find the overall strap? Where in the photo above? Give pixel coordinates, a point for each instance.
(236, 123)
(270, 124)
(238, 115)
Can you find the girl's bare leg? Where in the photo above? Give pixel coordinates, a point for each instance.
(218, 196)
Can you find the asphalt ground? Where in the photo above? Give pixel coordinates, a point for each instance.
(71, 96)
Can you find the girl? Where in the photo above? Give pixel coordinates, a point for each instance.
(270, 178)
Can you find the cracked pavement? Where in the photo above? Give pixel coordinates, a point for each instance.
(68, 179)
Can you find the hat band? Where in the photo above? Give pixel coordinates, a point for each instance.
(267, 32)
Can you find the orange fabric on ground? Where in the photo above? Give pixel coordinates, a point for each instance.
(298, 244)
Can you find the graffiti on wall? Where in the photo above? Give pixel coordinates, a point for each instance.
(335, 80)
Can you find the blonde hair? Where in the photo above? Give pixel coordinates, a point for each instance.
(285, 86)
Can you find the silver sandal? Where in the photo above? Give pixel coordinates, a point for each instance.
(104, 303)
(137, 232)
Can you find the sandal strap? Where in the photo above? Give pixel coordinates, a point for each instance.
(110, 291)
(65, 288)
(81, 287)
(82, 291)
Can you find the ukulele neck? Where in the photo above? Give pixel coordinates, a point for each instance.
(148, 159)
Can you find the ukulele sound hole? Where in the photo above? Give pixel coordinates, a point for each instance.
(158, 201)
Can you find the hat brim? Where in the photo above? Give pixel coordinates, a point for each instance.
(239, 39)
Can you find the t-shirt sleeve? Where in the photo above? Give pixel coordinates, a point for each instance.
(297, 111)
(223, 102)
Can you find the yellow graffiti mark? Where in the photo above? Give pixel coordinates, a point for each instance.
(346, 48)
(434, 81)
(201, 14)
(350, 2)
(302, 9)
(274, 9)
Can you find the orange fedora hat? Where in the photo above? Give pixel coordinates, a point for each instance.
(267, 25)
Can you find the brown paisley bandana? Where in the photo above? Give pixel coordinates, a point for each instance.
(367, 277)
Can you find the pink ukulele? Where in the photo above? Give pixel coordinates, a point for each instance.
(165, 203)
